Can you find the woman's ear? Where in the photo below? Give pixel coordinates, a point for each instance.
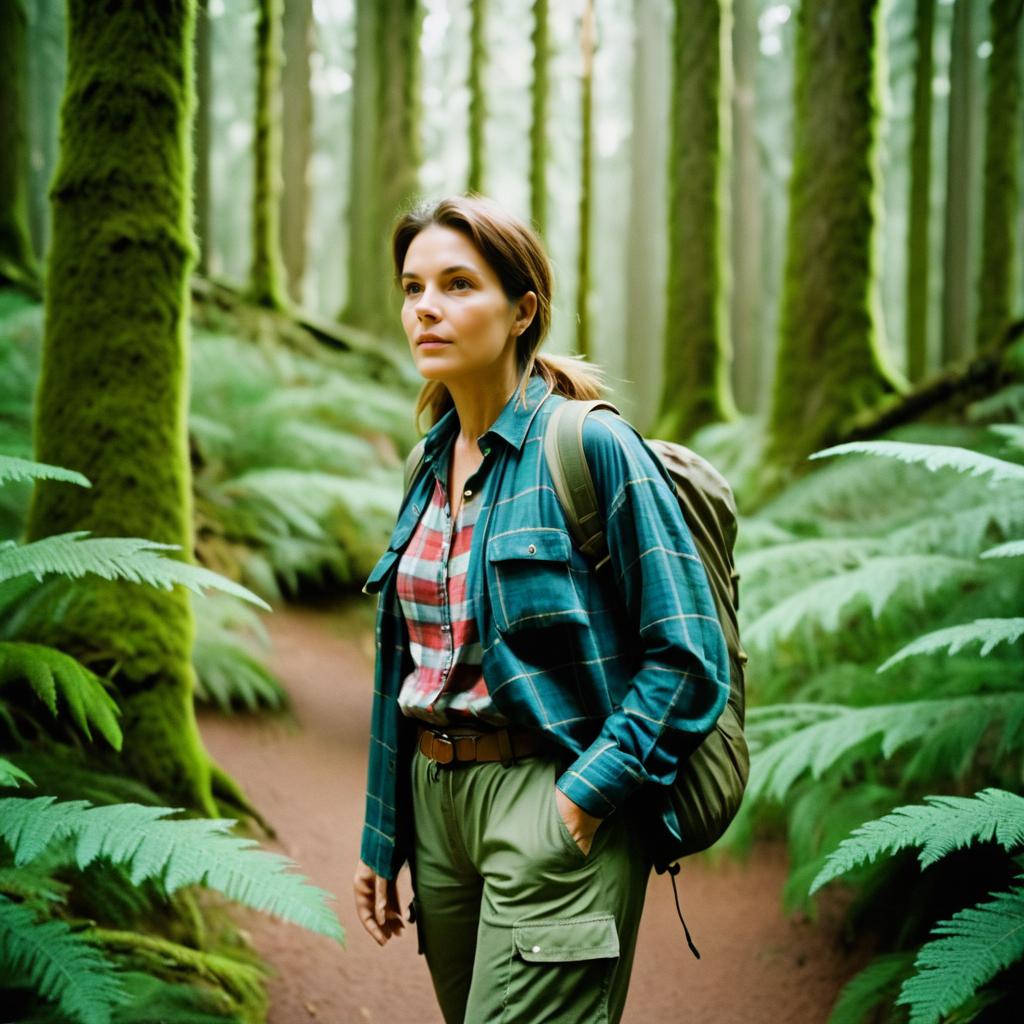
(526, 309)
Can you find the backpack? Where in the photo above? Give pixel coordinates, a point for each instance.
(709, 787)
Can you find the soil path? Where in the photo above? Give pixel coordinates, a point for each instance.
(307, 776)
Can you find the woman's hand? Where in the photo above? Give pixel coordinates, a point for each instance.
(580, 824)
(377, 904)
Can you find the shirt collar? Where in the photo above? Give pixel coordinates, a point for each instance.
(512, 423)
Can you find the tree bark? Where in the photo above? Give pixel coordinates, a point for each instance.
(996, 278)
(539, 119)
(17, 260)
(202, 138)
(918, 200)
(266, 272)
(297, 140)
(586, 179)
(112, 398)
(477, 95)
(831, 363)
(696, 378)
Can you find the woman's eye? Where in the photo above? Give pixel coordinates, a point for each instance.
(410, 289)
(461, 280)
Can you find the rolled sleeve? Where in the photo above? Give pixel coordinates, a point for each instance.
(682, 684)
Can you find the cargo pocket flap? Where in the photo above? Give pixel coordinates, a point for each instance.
(543, 545)
(579, 938)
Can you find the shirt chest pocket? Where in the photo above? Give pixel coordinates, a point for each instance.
(530, 580)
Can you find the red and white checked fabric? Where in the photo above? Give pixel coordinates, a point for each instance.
(447, 685)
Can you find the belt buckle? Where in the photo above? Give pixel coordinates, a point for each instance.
(447, 745)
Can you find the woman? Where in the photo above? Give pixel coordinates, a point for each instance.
(528, 706)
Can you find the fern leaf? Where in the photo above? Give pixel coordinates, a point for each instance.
(945, 824)
(60, 965)
(1011, 549)
(12, 468)
(152, 999)
(987, 632)
(876, 582)
(1012, 432)
(973, 946)
(932, 457)
(50, 671)
(872, 987)
(194, 851)
(11, 774)
(226, 674)
(130, 558)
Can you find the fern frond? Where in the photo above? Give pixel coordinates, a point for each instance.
(11, 774)
(49, 672)
(194, 851)
(130, 558)
(34, 885)
(12, 468)
(1011, 549)
(974, 945)
(1012, 432)
(60, 965)
(945, 824)
(957, 721)
(961, 532)
(227, 674)
(913, 577)
(872, 987)
(987, 632)
(150, 999)
(932, 457)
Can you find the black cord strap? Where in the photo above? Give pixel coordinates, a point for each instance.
(673, 870)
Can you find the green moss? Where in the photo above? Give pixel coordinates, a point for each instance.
(112, 394)
(586, 184)
(477, 94)
(996, 277)
(539, 118)
(831, 363)
(696, 389)
(266, 274)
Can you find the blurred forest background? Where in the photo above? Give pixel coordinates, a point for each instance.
(792, 234)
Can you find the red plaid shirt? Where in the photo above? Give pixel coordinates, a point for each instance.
(447, 685)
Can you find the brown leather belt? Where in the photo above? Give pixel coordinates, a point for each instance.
(461, 745)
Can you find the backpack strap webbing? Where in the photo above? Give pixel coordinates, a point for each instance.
(570, 473)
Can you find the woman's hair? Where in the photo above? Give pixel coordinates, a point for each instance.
(516, 255)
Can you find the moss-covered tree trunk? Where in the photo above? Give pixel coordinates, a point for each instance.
(996, 277)
(477, 94)
(539, 118)
(112, 397)
(831, 363)
(385, 154)
(297, 139)
(17, 260)
(918, 201)
(696, 388)
(745, 222)
(201, 136)
(266, 272)
(646, 241)
(586, 179)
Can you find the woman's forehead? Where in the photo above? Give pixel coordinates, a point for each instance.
(437, 248)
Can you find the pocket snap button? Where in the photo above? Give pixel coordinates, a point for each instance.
(532, 549)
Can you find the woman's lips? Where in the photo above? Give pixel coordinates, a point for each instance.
(430, 342)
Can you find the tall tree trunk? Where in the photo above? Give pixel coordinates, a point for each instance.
(586, 179)
(960, 191)
(647, 242)
(918, 200)
(831, 362)
(17, 261)
(298, 140)
(385, 154)
(201, 137)
(696, 356)
(539, 118)
(112, 398)
(477, 94)
(996, 279)
(266, 272)
(745, 210)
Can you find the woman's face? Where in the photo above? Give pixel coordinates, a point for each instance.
(455, 313)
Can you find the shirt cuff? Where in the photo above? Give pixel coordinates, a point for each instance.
(599, 780)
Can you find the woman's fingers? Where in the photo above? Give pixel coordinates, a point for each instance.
(365, 888)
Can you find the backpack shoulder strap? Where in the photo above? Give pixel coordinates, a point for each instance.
(574, 484)
(413, 461)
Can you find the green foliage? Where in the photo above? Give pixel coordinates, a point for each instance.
(987, 632)
(60, 964)
(872, 987)
(176, 853)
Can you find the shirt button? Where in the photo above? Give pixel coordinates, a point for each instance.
(532, 549)
(467, 493)
(536, 949)
(445, 627)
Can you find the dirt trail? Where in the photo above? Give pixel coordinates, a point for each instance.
(307, 776)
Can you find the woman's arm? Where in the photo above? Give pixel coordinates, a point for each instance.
(682, 682)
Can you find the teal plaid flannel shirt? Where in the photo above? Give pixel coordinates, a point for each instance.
(626, 667)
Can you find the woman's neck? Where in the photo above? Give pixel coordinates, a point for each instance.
(479, 404)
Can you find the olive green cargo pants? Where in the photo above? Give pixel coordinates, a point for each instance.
(517, 925)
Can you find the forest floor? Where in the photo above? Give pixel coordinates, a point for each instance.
(306, 772)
